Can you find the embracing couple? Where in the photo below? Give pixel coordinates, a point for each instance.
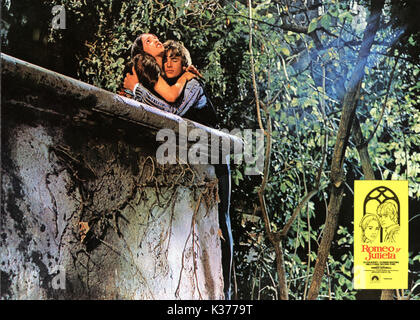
(163, 76)
(383, 224)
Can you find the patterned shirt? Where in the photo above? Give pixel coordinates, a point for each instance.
(193, 104)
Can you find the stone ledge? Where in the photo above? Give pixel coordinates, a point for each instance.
(93, 100)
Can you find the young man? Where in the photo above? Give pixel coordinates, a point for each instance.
(388, 217)
(199, 109)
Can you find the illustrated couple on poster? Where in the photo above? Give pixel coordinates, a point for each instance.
(382, 225)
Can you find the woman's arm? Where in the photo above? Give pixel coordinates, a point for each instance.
(143, 95)
(167, 92)
(172, 93)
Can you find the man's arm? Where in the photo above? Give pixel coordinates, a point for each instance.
(193, 95)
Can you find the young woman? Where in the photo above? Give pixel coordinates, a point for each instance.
(370, 227)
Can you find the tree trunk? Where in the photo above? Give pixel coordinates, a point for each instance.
(337, 174)
(363, 151)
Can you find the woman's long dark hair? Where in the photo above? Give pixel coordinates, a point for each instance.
(147, 70)
(137, 46)
(145, 65)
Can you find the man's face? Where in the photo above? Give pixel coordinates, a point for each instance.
(173, 65)
(152, 45)
(385, 221)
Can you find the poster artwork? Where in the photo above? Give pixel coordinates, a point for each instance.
(380, 234)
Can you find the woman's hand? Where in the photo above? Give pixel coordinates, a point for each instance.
(131, 80)
(189, 75)
(194, 70)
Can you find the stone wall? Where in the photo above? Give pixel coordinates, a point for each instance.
(87, 211)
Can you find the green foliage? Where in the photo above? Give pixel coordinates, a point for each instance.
(395, 144)
(309, 75)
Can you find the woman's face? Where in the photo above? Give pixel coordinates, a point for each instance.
(152, 45)
(172, 66)
(372, 230)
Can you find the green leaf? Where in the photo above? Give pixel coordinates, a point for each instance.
(285, 51)
(345, 15)
(283, 187)
(312, 26)
(325, 21)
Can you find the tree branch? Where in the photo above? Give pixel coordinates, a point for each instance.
(366, 142)
(254, 82)
(274, 240)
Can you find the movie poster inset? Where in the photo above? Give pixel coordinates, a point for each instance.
(380, 234)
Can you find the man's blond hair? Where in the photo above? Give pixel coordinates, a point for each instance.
(177, 49)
